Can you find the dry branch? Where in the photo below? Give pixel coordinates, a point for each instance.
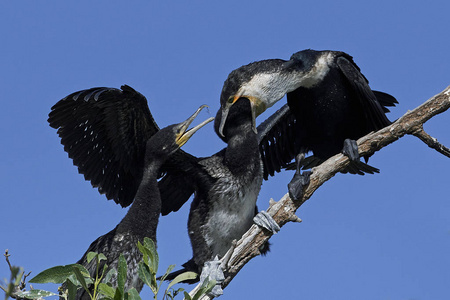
(284, 210)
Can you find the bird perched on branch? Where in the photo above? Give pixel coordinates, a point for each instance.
(329, 106)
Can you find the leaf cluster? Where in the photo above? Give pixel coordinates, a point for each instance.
(99, 286)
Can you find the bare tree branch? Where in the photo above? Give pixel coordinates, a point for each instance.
(432, 142)
(284, 210)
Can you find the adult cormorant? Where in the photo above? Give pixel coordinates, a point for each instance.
(330, 105)
(142, 218)
(104, 132)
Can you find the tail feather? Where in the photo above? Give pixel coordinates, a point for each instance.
(355, 167)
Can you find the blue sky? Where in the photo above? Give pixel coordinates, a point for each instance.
(384, 236)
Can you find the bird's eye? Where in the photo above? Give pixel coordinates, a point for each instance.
(230, 100)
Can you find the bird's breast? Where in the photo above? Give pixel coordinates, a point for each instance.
(232, 210)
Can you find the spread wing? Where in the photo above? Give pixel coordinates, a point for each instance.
(373, 102)
(278, 141)
(179, 180)
(104, 131)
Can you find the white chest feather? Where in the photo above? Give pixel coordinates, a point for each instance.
(232, 212)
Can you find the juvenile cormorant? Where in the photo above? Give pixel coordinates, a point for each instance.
(330, 104)
(104, 132)
(142, 218)
(226, 187)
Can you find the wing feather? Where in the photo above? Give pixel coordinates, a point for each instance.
(105, 130)
(373, 110)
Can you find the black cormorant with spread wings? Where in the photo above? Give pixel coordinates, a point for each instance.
(142, 218)
(105, 131)
(329, 106)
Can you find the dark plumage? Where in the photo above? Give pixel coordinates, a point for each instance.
(226, 186)
(105, 132)
(70, 116)
(329, 100)
(98, 128)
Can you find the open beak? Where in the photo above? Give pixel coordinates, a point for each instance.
(186, 134)
(257, 107)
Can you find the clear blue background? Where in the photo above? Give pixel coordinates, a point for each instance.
(384, 236)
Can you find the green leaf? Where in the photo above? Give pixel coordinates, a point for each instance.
(101, 257)
(154, 258)
(118, 295)
(205, 288)
(133, 294)
(105, 267)
(121, 273)
(90, 256)
(144, 251)
(106, 290)
(35, 294)
(73, 279)
(184, 276)
(146, 275)
(169, 269)
(58, 274)
(18, 275)
(71, 289)
(81, 279)
(148, 257)
(187, 296)
(109, 275)
(174, 294)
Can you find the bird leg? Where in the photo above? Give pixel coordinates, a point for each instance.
(351, 150)
(300, 180)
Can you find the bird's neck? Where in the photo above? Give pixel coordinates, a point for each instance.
(280, 83)
(242, 149)
(142, 217)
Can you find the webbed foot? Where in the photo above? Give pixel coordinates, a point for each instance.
(350, 150)
(298, 184)
(300, 180)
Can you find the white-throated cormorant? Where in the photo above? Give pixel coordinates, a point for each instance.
(330, 104)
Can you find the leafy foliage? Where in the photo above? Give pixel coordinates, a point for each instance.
(99, 287)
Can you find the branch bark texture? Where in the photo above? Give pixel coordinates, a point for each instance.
(284, 210)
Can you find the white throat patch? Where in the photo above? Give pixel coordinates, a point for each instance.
(317, 73)
(271, 87)
(267, 87)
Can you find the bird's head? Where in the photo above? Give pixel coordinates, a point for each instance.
(239, 119)
(309, 67)
(265, 82)
(169, 139)
(258, 82)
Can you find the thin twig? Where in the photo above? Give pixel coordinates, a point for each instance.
(432, 142)
(7, 255)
